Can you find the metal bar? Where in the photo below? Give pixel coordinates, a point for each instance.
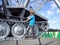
(25, 6)
(39, 40)
(57, 3)
(16, 42)
(4, 6)
(26, 3)
(4, 2)
(41, 5)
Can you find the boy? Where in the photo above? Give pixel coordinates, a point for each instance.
(31, 21)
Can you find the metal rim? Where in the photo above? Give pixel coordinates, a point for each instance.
(5, 26)
(14, 34)
(45, 28)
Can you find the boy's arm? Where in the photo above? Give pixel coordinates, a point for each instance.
(27, 20)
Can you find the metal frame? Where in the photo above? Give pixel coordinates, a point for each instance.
(6, 8)
(7, 12)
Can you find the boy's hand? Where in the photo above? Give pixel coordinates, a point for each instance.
(24, 21)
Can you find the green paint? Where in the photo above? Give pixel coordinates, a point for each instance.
(58, 35)
(51, 35)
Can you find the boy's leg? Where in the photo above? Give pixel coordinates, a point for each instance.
(33, 32)
(30, 31)
(27, 32)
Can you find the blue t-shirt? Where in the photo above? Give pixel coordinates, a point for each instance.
(32, 20)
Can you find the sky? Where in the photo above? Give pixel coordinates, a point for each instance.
(52, 13)
(49, 10)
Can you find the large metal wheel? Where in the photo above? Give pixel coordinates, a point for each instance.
(4, 30)
(44, 27)
(18, 30)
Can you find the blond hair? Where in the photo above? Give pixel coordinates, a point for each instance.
(32, 12)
